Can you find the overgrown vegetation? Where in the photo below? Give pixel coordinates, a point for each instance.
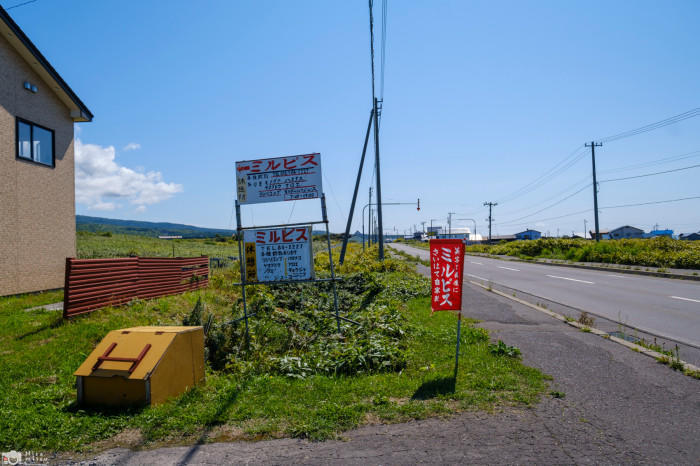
(655, 252)
(299, 377)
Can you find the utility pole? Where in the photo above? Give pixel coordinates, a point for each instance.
(491, 206)
(423, 223)
(584, 228)
(449, 222)
(369, 220)
(379, 181)
(593, 145)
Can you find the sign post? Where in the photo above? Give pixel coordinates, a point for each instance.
(446, 281)
(283, 253)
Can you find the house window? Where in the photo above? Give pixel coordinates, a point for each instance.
(35, 143)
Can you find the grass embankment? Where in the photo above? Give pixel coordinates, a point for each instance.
(299, 378)
(654, 252)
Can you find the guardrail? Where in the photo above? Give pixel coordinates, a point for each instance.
(96, 283)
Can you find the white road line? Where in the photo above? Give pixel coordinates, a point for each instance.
(478, 277)
(477, 263)
(686, 299)
(572, 279)
(616, 276)
(508, 268)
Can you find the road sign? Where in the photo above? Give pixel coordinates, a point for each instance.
(279, 179)
(278, 254)
(446, 274)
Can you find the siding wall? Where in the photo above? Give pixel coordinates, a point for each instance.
(37, 203)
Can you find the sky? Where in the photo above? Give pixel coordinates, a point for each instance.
(480, 100)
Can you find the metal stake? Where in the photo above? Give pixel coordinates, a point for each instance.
(459, 333)
(330, 259)
(241, 260)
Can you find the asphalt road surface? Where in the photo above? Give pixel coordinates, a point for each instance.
(661, 306)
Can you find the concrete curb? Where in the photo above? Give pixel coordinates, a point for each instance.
(687, 367)
(612, 268)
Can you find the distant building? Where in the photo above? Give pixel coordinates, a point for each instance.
(690, 237)
(655, 233)
(502, 238)
(38, 111)
(528, 234)
(461, 233)
(626, 232)
(604, 234)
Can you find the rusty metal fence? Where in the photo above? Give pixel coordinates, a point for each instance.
(95, 283)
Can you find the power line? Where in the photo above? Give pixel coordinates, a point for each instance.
(547, 219)
(652, 126)
(650, 174)
(551, 205)
(20, 4)
(563, 165)
(602, 208)
(574, 156)
(650, 203)
(661, 161)
(383, 51)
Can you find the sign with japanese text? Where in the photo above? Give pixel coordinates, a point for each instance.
(446, 274)
(279, 179)
(278, 254)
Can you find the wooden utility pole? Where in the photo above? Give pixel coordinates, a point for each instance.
(593, 145)
(490, 219)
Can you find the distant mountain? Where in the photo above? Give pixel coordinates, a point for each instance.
(155, 229)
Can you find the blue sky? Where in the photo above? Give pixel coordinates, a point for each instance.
(481, 98)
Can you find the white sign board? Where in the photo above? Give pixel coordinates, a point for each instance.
(279, 179)
(278, 254)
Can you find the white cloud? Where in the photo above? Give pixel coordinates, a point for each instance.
(132, 146)
(100, 182)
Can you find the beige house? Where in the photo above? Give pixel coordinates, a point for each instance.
(37, 182)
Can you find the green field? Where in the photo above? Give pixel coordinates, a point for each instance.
(99, 245)
(655, 252)
(297, 378)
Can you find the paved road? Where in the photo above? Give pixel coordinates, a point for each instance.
(665, 307)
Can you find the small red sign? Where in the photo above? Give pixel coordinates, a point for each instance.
(446, 273)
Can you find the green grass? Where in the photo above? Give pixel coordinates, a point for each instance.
(39, 352)
(659, 252)
(96, 245)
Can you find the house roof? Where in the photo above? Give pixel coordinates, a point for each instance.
(528, 230)
(626, 226)
(19, 40)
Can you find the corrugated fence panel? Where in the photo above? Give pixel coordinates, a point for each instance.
(95, 283)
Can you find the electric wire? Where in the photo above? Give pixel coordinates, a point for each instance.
(567, 162)
(551, 205)
(650, 203)
(650, 174)
(652, 126)
(20, 4)
(666, 201)
(661, 161)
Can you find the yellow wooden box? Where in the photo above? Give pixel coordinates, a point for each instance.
(141, 366)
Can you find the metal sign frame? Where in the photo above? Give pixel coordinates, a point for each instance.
(244, 282)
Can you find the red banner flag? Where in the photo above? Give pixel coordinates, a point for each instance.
(446, 273)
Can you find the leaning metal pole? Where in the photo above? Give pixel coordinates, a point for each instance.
(241, 260)
(330, 259)
(357, 186)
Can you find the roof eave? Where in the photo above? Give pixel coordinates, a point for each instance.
(79, 111)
